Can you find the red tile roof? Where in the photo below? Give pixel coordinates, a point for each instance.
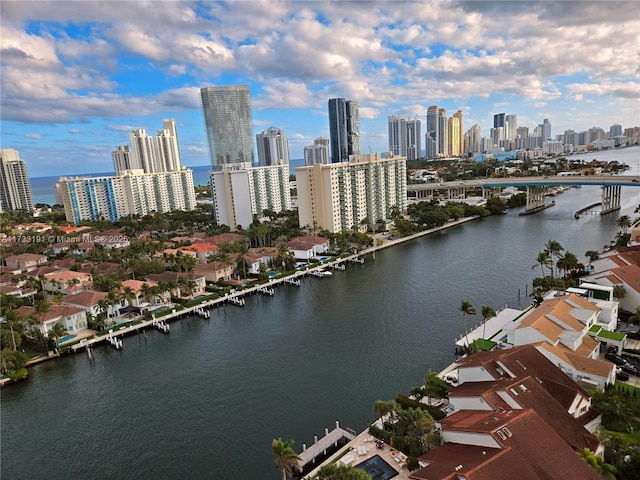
(529, 450)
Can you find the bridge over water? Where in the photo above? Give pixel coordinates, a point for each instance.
(536, 187)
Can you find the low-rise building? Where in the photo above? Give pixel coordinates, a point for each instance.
(308, 247)
(73, 319)
(214, 271)
(24, 261)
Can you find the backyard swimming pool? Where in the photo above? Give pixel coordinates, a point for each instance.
(66, 338)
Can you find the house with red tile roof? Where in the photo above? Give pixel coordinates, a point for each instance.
(140, 298)
(90, 301)
(256, 256)
(24, 261)
(497, 372)
(559, 328)
(179, 281)
(214, 271)
(501, 445)
(67, 281)
(73, 319)
(308, 247)
(204, 251)
(619, 267)
(225, 238)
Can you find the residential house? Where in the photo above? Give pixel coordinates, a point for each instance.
(77, 248)
(308, 247)
(559, 327)
(204, 251)
(113, 238)
(73, 319)
(515, 444)
(214, 271)
(91, 301)
(142, 297)
(180, 283)
(620, 267)
(67, 281)
(169, 256)
(257, 256)
(225, 239)
(495, 373)
(24, 261)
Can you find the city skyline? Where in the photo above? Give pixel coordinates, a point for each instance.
(76, 81)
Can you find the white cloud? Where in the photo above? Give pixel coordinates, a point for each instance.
(35, 136)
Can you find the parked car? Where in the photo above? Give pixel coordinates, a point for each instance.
(622, 376)
(628, 368)
(617, 359)
(634, 335)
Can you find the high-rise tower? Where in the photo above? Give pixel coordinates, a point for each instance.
(344, 129)
(227, 119)
(15, 187)
(443, 133)
(511, 126)
(431, 136)
(273, 147)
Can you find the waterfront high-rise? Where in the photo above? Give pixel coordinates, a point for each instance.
(545, 129)
(344, 129)
(405, 138)
(15, 187)
(339, 196)
(241, 193)
(443, 133)
(132, 193)
(273, 147)
(159, 153)
(511, 126)
(472, 140)
(229, 126)
(431, 136)
(453, 136)
(459, 134)
(121, 157)
(498, 120)
(318, 152)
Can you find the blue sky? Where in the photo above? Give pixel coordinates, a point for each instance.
(77, 76)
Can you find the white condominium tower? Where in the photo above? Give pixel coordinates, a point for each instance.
(152, 154)
(241, 193)
(318, 152)
(132, 193)
(273, 147)
(339, 196)
(15, 187)
(405, 138)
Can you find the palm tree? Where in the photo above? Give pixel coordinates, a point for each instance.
(467, 309)
(554, 249)
(57, 331)
(567, 263)
(128, 295)
(286, 458)
(623, 223)
(605, 470)
(619, 292)
(544, 260)
(635, 318)
(487, 313)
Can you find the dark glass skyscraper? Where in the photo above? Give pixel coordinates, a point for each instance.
(227, 119)
(344, 129)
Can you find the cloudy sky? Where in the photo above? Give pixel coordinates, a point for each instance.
(77, 76)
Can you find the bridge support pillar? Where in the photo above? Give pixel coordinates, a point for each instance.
(535, 198)
(456, 192)
(610, 198)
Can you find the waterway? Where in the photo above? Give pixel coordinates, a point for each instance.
(206, 400)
